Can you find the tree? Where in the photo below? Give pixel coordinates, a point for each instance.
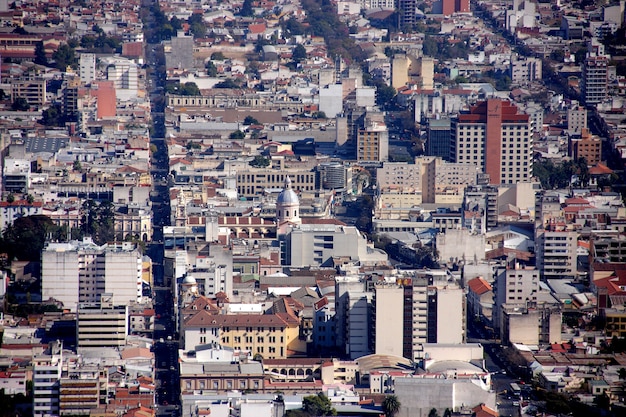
(391, 405)
(10, 198)
(65, 57)
(52, 116)
(299, 53)
(260, 161)
(246, 9)
(40, 54)
(447, 413)
(433, 413)
(20, 104)
(217, 56)
(25, 238)
(30, 199)
(98, 221)
(318, 115)
(227, 83)
(211, 69)
(621, 373)
(384, 94)
(249, 120)
(237, 134)
(318, 405)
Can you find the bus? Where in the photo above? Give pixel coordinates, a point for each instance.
(515, 389)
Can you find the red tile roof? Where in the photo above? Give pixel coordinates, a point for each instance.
(479, 286)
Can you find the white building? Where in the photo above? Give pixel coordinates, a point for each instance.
(123, 73)
(81, 272)
(9, 212)
(331, 100)
(46, 375)
(87, 67)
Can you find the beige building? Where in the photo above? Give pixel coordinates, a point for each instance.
(373, 139)
(428, 180)
(273, 336)
(102, 324)
(400, 70)
(539, 324)
(426, 70)
(388, 313)
(253, 182)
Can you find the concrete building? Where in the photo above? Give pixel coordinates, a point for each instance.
(525, 70)
(124, 74)
(46, 376)
(594, 74)
(81, 272)
(387, 318)
(87, 67)
(179, 51)
(101, 324)
(16, 175)
(419, 396)
(586, 146)
(373, 139)
(556, 250)
(352, 316)
(537, 324)
(400, 69)
(576, 118)
(79, 391)
(495, 137)
(9, 212)
(319, 244)
(426, 72)
(253, 182)
(514, 285)
(33, 90)
(439, 137)
(331, 100)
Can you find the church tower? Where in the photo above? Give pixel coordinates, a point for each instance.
(287, 205)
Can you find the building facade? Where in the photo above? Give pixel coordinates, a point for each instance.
(495, 137)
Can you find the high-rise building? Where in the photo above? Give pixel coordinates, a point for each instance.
(388, 328)
(406, 12)
(81, 272)
(373, 139)
(46, 375)
(595, 74)
(102, 324)
(438, 141)
(586, 146)
(495, 137)
(556, 251)
(87, 67)
(576, 118)
(516, 284)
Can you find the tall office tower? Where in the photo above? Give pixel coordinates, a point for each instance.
(81, 272)
(373, 139)
(438, 142)
(87, 67)
(495, 137)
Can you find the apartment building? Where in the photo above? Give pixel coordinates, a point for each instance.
(33, 90)
(556, 249)
(81, 272)
(373, 139)
(594, 79)
(101, 324)
(46, 375)
(525, 70)
(497, 138)
(514, 285)
(576, 118)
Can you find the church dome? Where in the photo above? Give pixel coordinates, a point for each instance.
(287, 195)
(189, 280)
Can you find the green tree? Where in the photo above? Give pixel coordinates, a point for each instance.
(260, 161)
(391, 405)
(10, 198)
(40, 54)
(217, 56)
(20, 104)
(299, 53)
(621, 373)
(196, 25)
(211, 69)
(318, 115)
(237, 134)
(52, 116)
(24, 239)
(433, 413)
(385, 94)
(98, 221)
(227, 83)
(318, 405)
(65, 56)
(249, 120)
(246, 9)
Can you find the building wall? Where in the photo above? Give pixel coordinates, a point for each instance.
(60, 277)
(101, 325)
(450, 315)
(556, 253)
(388, 319)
